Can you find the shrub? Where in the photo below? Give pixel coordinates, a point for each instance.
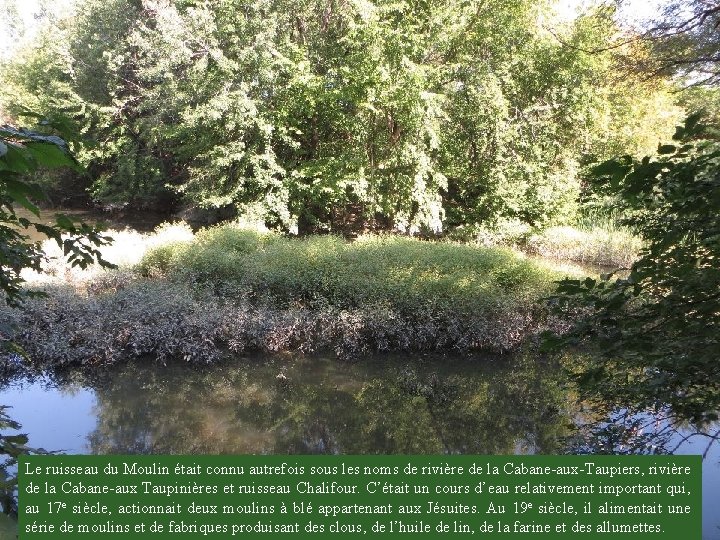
(166, 321)
(405, 273)
(228, 290)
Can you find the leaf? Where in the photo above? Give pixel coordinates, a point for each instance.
(27, 136)
(16, 159)
(50, 232)
(615, 169)
(665, 149)
(691, 127)
(51, 155)
(551, 342)
(65, 223)
(692, 121)
(16, 439)
(19, 193)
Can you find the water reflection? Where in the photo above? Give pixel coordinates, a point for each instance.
(286, 405)
(279, 406)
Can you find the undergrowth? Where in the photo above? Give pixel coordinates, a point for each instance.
(404, 273)
(229, 290)
(597, 239)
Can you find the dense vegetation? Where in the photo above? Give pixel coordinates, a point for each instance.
(21, 153)
(482, 119)
(405, 273)
(334, 115)
(230, 290)
(658, 328)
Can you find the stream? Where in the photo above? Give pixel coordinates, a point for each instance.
(316, 405)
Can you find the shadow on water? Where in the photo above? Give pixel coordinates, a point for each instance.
(137, 221)
(315, 405)
(301, 405)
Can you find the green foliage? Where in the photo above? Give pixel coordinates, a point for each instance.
(263, 291)
(409, 275)
(657, 328)
(231, 291)
(11, 447)
(600, 244)
(165, 322)
(326, 115)
(705, 99)
(22, 152)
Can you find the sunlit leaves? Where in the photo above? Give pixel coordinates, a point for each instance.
(658, 327)
(315, 113)
(25, 152)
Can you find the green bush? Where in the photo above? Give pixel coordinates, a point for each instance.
(157, 260)
(405, 273)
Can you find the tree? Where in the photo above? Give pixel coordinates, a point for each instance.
(656, 332)
(683, 42)
(21, 152)
(318, 112)
(686, 42)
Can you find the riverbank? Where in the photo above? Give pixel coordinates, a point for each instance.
(593, 240)
(229, 290)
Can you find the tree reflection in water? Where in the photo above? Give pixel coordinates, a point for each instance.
(302, 405)
(630, 431)
(392, 405)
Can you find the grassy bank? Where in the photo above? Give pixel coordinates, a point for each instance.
(594, 240)
(229, 290)
(615, 247)
(405, 273)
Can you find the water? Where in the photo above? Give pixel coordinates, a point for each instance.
(286, 405)
(139, 221)
(297, 405)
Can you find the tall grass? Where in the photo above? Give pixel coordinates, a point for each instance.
(597, 238)
(404, 273)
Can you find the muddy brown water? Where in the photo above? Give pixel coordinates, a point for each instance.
(139, 221)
